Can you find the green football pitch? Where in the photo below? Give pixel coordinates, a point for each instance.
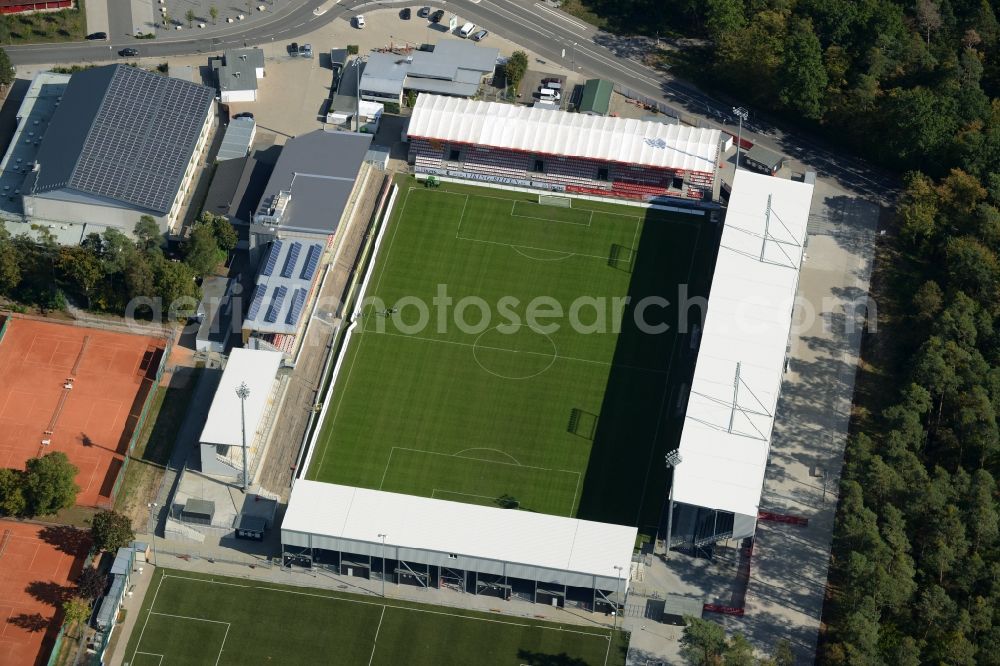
(189, 619)
(498, 359)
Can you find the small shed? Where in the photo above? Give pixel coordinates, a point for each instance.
(124, 560)
(763, 159)
(251, 527)
(237, 140)
(676, 607)
(198, 511)
(596, 98)
(108, 610)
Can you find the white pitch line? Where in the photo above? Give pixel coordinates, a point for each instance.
(149, 612)
(377, 629)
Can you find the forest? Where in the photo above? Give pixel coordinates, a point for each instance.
(913, 88)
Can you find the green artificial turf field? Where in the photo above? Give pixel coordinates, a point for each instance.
(564, 415)
(192, 619)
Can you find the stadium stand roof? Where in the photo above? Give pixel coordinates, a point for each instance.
(257, 369)
(560, 133)
(237, 140)
(522, 537)
(286, 274)
(309, 188)
(123, 133)
(730, 413)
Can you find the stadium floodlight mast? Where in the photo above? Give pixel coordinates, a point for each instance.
(742, 114)
(383, 536)
(243, 392)
(618, 587)
(673, 459)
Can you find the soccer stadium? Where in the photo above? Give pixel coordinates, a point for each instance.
(528, 362)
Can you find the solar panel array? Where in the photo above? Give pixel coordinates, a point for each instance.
(312, 261)
(272, 258)
(142, 138)
(293, 256)
(258, 298)
(276, 301)
(298, 300)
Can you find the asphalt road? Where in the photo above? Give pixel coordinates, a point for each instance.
(555, 36)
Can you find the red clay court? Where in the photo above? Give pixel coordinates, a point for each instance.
(37, 564)
(76, 390)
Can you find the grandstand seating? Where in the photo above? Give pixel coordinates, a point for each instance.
(575, 175)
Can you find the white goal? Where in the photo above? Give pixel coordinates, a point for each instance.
(555, 200)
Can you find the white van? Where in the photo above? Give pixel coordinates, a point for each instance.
(467, 30)
(549, 94)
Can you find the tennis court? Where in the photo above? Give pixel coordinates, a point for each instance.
(36, 566)
(76, 390)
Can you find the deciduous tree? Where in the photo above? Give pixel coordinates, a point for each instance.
(111, 530)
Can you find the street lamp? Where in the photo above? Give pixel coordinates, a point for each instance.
(742, 114)
(618, 586)
(383, 536)
(152, 509)
(573, 59)
(243, 391)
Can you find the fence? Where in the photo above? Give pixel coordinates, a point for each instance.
(3, 326)
(141, 422)
(364, 266)
(655, 105)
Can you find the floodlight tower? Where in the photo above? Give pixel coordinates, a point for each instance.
(618, 587)
(742, 114)
(672, 460)
(243, 391)
(383, 536)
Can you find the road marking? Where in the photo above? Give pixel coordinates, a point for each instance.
(580, 27)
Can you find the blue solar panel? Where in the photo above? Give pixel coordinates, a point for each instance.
(276, 300)
(293, 256)
(312, 261)
(298, 300)
(258, 298)
(272, 258)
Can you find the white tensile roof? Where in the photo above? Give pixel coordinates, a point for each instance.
(724, 450)
(507, 535)
(543, 131)
(257, 368)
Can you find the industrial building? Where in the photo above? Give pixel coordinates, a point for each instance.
(121, 142)
(718, 469)
(308, 191)
(432, 543)
(454, 67)
(236, 74)
(221, 439)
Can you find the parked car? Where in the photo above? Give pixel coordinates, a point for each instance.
(552, 79)
(128, 52)
(306, 50)
(437, 16)
(97, 35)
(480, 36)
(245, 114)
(293, 49)
(359, 21)
(404, 13)
(424, 12)
(467, 29)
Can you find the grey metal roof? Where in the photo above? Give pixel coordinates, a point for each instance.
(765, 156)
(437, 86)
(123, 133)
(318, 171)
(284, 280)
(675, 604)
(237, 69)
(384, 73)
(237, 139)
(109, 605)
(123, 561)
(200, 507)
(458, 53)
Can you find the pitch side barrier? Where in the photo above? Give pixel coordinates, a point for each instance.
(340, 351)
